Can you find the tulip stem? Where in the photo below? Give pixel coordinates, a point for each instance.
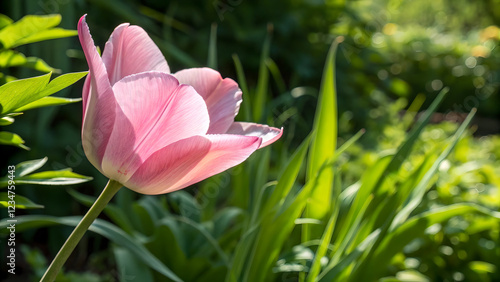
(107, 194)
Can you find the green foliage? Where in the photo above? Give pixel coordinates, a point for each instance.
(406, 202)
(24, 173)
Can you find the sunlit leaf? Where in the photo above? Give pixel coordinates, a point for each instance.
(9, 138)
(48, 101)
(20, 202)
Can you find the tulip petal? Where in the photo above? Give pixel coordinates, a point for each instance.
(222, 96)
(189, 161)
(98, 98)
(153, 111)
(267, 133)
(130, 50)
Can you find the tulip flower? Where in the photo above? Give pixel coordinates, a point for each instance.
(152, 131)
(157, 132)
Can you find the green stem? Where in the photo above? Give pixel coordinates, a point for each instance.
(107, 194)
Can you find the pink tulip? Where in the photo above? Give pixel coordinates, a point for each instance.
(156, 132)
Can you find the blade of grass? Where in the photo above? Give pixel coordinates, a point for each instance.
(263, 81)
(245, 110)
(324, 143)
(212, 47)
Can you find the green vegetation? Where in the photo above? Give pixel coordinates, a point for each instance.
(389, 167)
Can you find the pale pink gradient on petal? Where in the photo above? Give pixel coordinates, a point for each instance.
(222, 96)
(153, 111)
(189, 161)
(98, 99)
(130, 50)
(267, 133)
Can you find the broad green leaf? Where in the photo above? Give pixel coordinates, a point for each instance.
(60, 177)
(11, 58)
(20, 92)
(4, 21)
(9, 138)
(20, 201)
(17, 94)
(324, 142)
(207, 236)
(259, 102)
(63, 81)
(26, 30)
(6, 121)
(128, 266)
(223, 219)
(53, 33)
(28, 167)
(48, 101)
(60, 83)
(101, 227)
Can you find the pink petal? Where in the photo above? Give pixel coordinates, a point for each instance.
(130, 50)
(98, 99)
(153, 111)
(223, 96)
(189, 161)
(267, 133)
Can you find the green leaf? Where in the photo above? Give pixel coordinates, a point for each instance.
(129, 266)
(6, 121)
(413, 228)
(48, 101)
(101, 227)
(20, 201)
(418, 192)
(11, 58)
(31, 29)
(245, 110)
(8, 138)
(328, 233)
(287, 177)
(116, 214)
(323, 144)
(278, 78)
(361, 272)
(212, 47)
(209, 238)
(28, 167)
(20, 92)
(263, 81)
(53, 33)
(5, 21)
(60, 177)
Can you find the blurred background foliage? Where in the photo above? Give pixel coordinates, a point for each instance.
(395, 57)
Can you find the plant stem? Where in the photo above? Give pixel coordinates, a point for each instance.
(107, 194)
